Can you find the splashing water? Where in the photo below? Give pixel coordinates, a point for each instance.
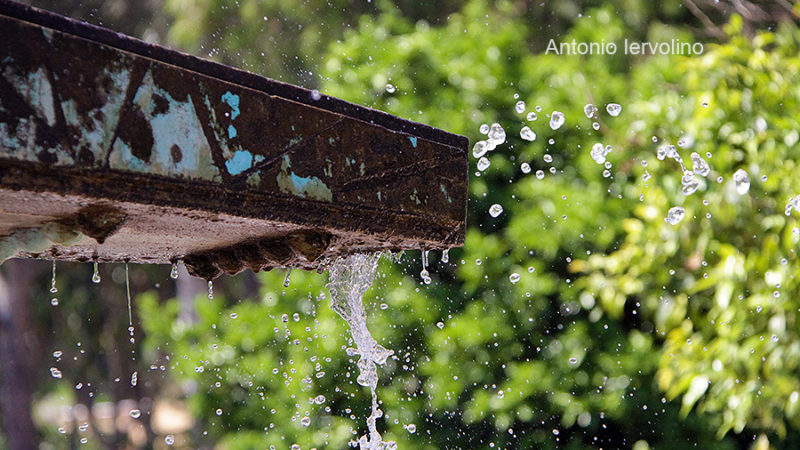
(556, 120)
(742, 182)
(675, 215)
(527, 134)
(349, 279)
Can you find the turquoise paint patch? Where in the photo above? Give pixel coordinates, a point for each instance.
(241, 161)
(231, 132)
(233, 101)
(413, 141)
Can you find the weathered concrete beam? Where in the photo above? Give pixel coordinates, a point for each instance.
(112, 149)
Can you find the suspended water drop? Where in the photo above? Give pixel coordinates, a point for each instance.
(527, 134)
(531, 116)
(540, 174)
(287, 280)
(675, 215)
(174, 272)
(55, 373)
(53, 288)
(484, 129)
(210, 289)
(446, 256)
(742, 182)
(519, 107)
(96, 274)
(514, 278)
(589, 110)
(483, 164)
(496, 135)
(479, 149)
(525, 167)
(614, 109)
(390, 88)
(556, 120)
(701, 167)
(495, 210)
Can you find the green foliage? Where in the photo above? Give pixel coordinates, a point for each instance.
(623, 328)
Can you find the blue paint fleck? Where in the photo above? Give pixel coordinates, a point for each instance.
(241, 161)
(231, 132)
(233, 101)
(413, 140)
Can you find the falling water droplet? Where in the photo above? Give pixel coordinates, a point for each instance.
(315, 95)
(556, 120)
(390, 88)
(519, 107)
(484, 129)
(540, 174)
(497, 135)
(53, 288)
(495, 210)
(135, 413)
(134, 378)
(96, 274)
(701, 167)
(742, 182)
(589, 110)
(513, 278)
(128, 292)
(305, 421)
(174, 272)
(169, 439)
(614, 109)
(526, 168)
(54, 301)
(55, 373)
(210, 289)
(483, 164)
(411, 428)
(527, 134)
(675, 215)
(288, 279)
(479, 149)
(531, 116)
(446, 256)
(599, 153)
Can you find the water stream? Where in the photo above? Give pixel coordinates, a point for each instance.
(350, 277)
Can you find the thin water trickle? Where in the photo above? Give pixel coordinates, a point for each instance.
(53, 288)
(288, 279)
(96, 274)
(446, 255)
(210, 289)
(128, 292)
(349, 279)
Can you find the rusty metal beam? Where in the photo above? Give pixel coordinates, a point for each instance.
(112, 149)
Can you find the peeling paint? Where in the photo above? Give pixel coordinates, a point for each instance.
(233, 101)
(241, 161)
(306, 187)
(413, 140)
(231, 132)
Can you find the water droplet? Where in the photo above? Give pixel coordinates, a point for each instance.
(174, 272)
(320, 399)
(701, 167)
(315, 95)
(426, 276)
(531, 116)
(540, 174)
(54, 301)
(675, 215)
(219, 412)
(496, 135)
(495, 210)
(547, 158)
(514, 278)
(169, 439)
(285, 318)
(57, 354)
(484, 128)
(614, 109)
(556, 120)
(527, 134)
(390, 88)
(96, 274)
(525, 167)
(596, 126)
(134, 378)
(763, 178)
(411, 428)
(705, 104)
(210, 289)
(440, 325)
(742, 182)
(135, 413)
(305, 421)
(483, 164)
(479, 149)
(446, 256)
(589, 110)
(55, 373)
(519, 107)
(599, 153)
(573, 360)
